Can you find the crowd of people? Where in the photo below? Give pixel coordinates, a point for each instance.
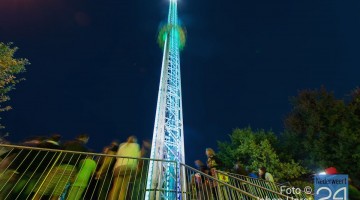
(60, 175)
(23, 176)
(213, 163)
(213, 166)
(36, 174)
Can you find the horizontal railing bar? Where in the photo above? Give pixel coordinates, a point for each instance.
(255, 185)
(83, 153)
(162, 190)
(219, 181)
(236, 176)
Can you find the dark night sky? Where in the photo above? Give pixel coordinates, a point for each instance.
(96, 64)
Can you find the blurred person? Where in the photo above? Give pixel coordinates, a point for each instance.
(250, 173)
(202, 182)
(60, 175)
(86, 168)
(145, 149)
(8, 174)
(78, 144)
(19, 166)
(36, 165)
(263, 174)
(138, 191)
(33, 141)
(239, 169)
(104, 174)
(113, 146)
(53, 142)
(2, 138)
(124, 168)
(213, 163)
(3, 150)
(201, 167)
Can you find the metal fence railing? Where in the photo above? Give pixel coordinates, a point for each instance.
(37, 173)
(262, 188)
(201, 186)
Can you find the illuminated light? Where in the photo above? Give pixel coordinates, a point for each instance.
(179, 32)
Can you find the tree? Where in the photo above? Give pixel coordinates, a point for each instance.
(10, 68)
(323, 131)
(256, 149)
(354, 107)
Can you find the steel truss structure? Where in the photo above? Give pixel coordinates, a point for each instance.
(168, 134)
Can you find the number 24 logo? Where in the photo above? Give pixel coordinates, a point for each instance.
(335, 196)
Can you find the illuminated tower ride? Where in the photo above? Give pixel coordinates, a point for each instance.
(164, 179)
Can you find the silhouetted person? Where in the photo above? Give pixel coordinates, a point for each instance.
(60, 175)
(138, 191)
(202, 183)
(239, 169)
(39, 163)
(104, 173)
(213, 163)
(86, 168)
(263, 174)
(25, 166)
(124, 168)
(53, 142)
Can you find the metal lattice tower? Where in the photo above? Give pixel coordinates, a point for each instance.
(168, 135)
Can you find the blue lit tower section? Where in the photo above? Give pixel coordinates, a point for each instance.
(164, 178)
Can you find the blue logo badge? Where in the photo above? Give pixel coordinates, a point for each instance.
(331, 187)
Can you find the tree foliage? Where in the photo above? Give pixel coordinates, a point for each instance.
(258, 148)
(323, 131)
(10, 68)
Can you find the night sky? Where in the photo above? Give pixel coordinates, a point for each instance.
(96, 64)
